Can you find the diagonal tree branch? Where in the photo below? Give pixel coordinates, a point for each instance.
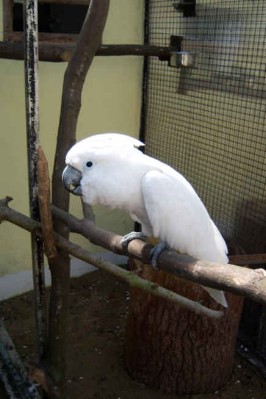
(6, 213)
(239, 280)
(89, 40)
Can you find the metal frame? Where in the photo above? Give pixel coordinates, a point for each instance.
(11, 35)
(12, 371)
(32, 121)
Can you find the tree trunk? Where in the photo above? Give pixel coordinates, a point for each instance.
(174, 349)
(89, 40)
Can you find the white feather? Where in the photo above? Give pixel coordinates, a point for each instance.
(151, 192)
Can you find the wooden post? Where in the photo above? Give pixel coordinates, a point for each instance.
(174, 349)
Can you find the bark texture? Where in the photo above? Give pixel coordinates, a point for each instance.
(89, 40)
(62, 52)
(173, 349)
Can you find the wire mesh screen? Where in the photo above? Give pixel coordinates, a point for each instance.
(208, 121)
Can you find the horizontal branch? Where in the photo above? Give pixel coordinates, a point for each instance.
(17, 218)
(232, 278)
(63, 52)
(229, 277)
(239, 280)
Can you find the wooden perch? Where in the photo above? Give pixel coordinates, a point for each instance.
(6, 213)
(63, 52)
(229, 277)
(239, 280)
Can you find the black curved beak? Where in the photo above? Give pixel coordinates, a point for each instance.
(71, 178)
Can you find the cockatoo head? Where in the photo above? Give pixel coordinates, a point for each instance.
(89, 161)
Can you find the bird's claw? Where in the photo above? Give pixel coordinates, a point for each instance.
(134, 235)
(155, 252)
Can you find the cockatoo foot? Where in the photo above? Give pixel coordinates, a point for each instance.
(134, 235)
(155, 252)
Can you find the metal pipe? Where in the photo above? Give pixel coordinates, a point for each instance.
(145, 75)
(32, 122)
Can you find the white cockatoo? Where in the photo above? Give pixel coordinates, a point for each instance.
(109, 169)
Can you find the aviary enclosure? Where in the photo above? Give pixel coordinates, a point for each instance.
(203, 112)
(208, 120)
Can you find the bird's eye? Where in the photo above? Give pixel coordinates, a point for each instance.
(89, 164)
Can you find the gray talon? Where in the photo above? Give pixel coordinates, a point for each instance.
(134, 235)
(155, 252)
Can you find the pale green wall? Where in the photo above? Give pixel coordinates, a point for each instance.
(110, 102)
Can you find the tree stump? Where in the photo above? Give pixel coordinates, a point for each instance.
(176, 350)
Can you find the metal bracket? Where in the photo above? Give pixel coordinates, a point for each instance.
(187, 7)
(179, 58)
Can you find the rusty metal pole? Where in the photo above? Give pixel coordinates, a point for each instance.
(32, 122)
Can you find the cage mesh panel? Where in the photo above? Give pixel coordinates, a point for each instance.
(209, 121)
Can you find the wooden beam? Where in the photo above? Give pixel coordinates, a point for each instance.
(63, 52)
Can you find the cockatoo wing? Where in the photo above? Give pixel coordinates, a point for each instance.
(178, 217)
